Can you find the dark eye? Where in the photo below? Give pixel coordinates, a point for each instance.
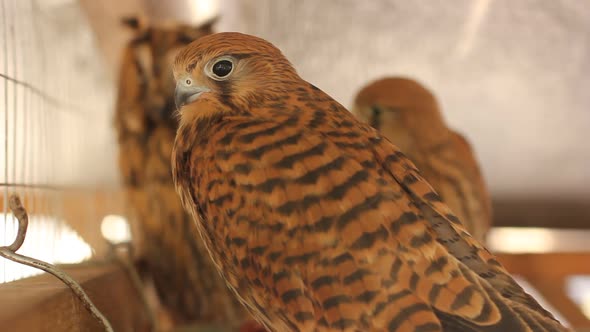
(222, 68)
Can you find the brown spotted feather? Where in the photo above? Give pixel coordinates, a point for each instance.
(316, 221)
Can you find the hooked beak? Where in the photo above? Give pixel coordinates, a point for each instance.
(187, 94)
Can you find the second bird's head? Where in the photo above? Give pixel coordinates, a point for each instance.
(233, 69)
(403, 110)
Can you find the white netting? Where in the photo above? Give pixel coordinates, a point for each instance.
(55, 124)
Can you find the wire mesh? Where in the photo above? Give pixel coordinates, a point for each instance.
(55, 102)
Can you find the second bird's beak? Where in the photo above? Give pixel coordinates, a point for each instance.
(187, 94)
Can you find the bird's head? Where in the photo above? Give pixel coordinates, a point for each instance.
(231, 69)
(403, 110)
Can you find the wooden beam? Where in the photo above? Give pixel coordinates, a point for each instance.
(548, 274)
(541, 212)
(549, 266)
(43, 303)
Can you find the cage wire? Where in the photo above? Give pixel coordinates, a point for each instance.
(55, 128)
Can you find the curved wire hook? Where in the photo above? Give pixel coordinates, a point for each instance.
(9, 252)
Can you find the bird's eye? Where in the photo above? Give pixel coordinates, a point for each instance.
(188, 81)
(222, 68)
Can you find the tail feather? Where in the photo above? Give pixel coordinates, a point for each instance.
(515, 317)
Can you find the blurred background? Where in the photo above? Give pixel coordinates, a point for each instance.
(512, 76)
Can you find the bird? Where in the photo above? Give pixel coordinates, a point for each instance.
(187, 284)
(315, 220)
(408, 114)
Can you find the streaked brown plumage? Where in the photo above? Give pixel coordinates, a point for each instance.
(408, 115)
(316, 221)
(187, 283)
